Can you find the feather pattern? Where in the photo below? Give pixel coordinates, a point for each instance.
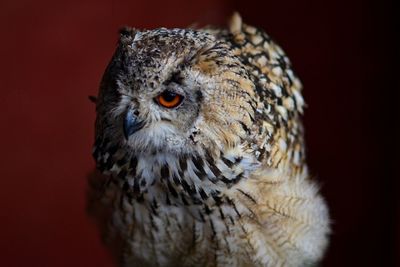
(220, 180)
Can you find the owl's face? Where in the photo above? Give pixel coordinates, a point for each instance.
(161, 118)
(173, 91)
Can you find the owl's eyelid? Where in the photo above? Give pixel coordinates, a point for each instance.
(177, 91)
(173, 89)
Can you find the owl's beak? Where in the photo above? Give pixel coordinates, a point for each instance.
(131, 124)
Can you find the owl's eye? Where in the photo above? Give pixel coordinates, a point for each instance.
(169, 99)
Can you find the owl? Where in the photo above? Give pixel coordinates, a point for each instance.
(199, 139)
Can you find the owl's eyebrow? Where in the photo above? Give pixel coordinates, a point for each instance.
(175, 77)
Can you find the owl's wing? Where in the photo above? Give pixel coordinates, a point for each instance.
(277, 126)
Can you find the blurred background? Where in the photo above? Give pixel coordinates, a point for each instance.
(53, 54)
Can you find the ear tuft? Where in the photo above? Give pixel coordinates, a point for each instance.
(235, 23)
(127, 34)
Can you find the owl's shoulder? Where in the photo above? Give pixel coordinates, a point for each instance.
(268, 65)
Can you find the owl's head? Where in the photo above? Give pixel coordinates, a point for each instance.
(173, 91)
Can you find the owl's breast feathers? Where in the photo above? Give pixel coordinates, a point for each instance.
(246, 202)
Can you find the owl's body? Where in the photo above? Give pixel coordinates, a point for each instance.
(218, 180)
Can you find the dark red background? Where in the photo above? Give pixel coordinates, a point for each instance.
(53, 54)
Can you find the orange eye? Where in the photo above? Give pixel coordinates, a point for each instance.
(169, 99)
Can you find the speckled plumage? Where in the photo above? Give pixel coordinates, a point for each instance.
(220, 180)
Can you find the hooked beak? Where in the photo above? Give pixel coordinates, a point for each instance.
(131, 124)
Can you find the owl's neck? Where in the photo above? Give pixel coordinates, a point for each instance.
(177, 179)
